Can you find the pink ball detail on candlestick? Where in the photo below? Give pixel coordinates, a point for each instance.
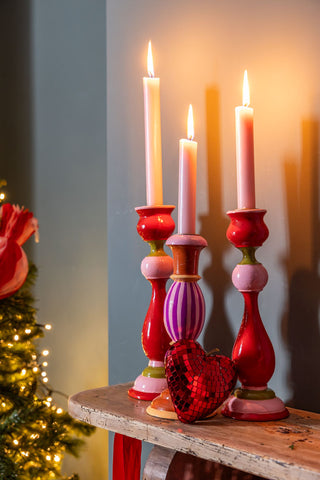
(157, 267)
(248, 278)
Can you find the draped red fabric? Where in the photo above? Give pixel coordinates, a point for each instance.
(126, 458)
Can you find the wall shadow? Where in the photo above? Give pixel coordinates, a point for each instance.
(301, 324)
(16, 151)
(217, 333)
(16, 101)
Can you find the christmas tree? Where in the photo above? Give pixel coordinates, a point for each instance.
(35, 434)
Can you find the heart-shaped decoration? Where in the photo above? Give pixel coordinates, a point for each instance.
(198, 383)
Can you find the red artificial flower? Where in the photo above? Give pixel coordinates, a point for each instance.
(16, 226)
(17, 223)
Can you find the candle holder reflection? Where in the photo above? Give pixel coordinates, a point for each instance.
(253, 352)
(184, 308)
(154, 226)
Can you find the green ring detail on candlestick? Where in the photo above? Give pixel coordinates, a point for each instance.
(249, 257)
(266, 394)
(154, 372)
(156, 248)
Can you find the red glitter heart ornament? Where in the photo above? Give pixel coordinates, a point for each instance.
(198, 383)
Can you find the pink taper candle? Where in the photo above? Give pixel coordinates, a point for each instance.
(244, 150)
(187, 181)
(152, 126)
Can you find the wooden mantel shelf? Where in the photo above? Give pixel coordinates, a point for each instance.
(286, 449)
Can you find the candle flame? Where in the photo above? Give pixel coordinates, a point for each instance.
(245, 90)
(190, 123)
(150, 61)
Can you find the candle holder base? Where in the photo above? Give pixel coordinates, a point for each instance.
(150, 383)
(254, 405)
(162, 407)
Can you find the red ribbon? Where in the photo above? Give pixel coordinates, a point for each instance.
(126, 458)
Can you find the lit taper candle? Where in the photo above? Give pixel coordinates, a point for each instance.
(187, 180)
(245, 150)
(152, 124)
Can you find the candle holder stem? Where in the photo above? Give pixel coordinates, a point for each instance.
(253, 352)
(155, 226)
(184, 307)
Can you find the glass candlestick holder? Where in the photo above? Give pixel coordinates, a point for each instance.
(184, 307)
(253, 352)
(155, 225)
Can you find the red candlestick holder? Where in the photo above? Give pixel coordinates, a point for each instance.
(154, 226)
(253, 352)
(184, 307)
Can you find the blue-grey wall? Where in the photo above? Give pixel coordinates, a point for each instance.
(53, 155)
(200, 51)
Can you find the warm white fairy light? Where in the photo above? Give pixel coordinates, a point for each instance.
(26, 454)
(34, 357)
(27, 331)
(48, 458)
(59, 410)
(57, 458)
(34, 436)
(44, 364)
(44, 374)
(15, 442)
(45, 353)
(3, 405)
(22, 388)
(46, 380)
(10, 345)
(16, 338)
(48, 326)
(35, 369)
(23, 371)
(49, 399)
(2, 196)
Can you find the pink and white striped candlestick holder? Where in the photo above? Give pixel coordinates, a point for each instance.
(184, 307)
(253, 352)
(154, 226)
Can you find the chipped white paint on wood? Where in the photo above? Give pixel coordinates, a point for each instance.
(283, 450)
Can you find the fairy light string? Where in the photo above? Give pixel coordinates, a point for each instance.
(35, 433)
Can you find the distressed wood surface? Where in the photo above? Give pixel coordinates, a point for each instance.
(284, 450)
(158, 464)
